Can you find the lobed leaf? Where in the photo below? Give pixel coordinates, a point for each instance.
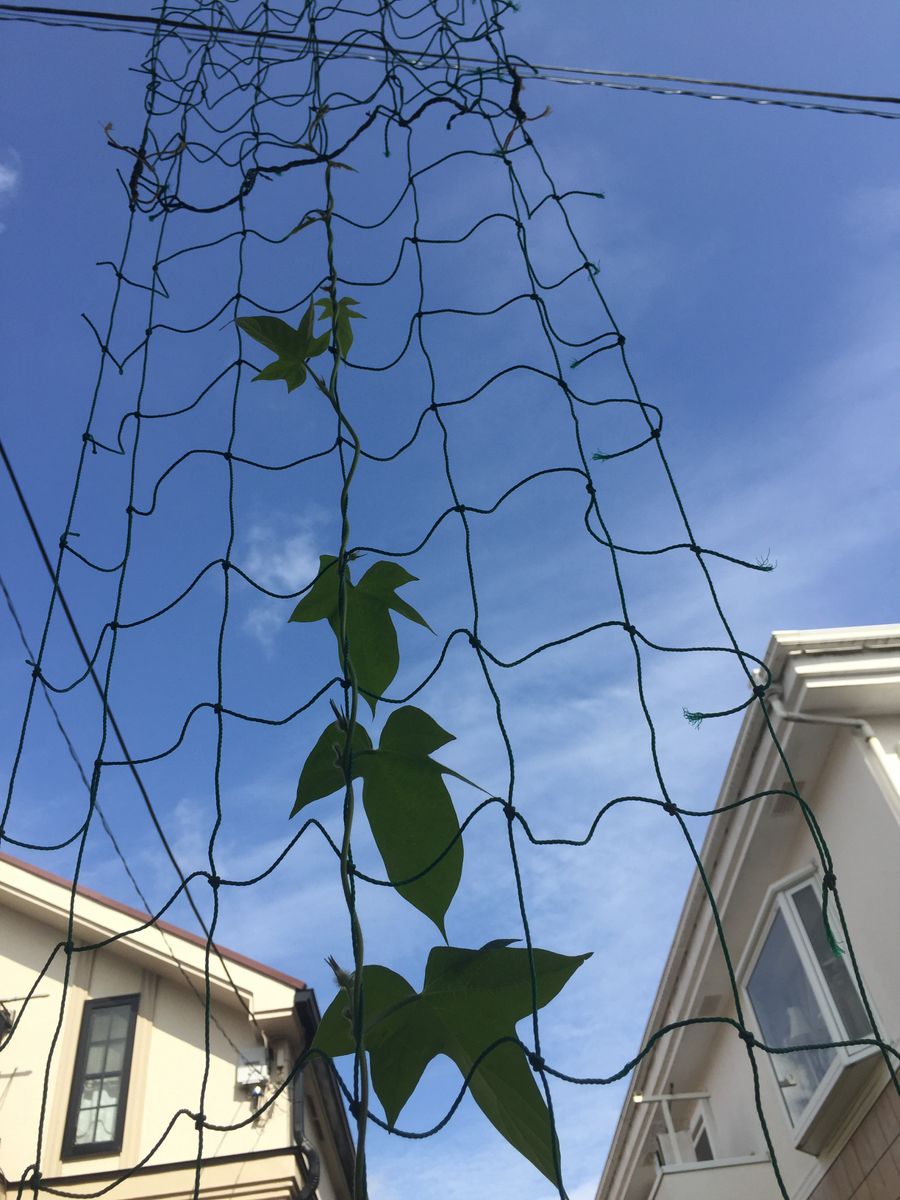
(371, 636)
(469, 1001)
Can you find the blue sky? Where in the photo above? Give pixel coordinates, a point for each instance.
(751, 257)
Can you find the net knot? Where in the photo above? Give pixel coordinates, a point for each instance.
(747, 1037)
(670, 808)
(509, 810)
(68, 948)
(98, 763)
(114, 624)
(63, 541)
(217, 709)
(214, 881)
(620, 340)
(226, 565)
(759, 690)
(354, 1108)
(694, 548)
(460, 508)
(474, 642)
(35, 669)
(656, 432)
(199, 1121)
(590, 489)
(629, 629)
(828, 881)
(88, 440)
(130, 509)
(227, 455)
(537, 1063)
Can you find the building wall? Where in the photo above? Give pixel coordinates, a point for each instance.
(167, 1063)
(868, 1167)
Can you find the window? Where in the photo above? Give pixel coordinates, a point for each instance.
(802, 993)
(700, 1139)
(96, 1114)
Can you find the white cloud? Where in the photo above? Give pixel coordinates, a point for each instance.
(283, 557)
(9, 179)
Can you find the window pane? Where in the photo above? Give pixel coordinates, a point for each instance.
(96, 1057)
(115, 1057)
(837, 976)
(702, 1148)
(84, 1130)
(118, 1025)
(100, 1020)
(789, 1014)
(106, 1125)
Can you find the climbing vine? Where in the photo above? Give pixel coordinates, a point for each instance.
(471, 999)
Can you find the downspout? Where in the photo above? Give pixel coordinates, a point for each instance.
(889, 770)
(307, 1155)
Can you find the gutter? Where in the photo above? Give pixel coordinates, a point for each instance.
(307, 1013)
(888, 767)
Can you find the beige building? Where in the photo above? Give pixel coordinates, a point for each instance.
(690, 1129)
(130, 1054)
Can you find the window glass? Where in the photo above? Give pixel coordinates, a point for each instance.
(98, 1092)
(702, 1148)
(789, 1014)
(834, 969)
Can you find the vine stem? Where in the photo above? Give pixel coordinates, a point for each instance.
(351, 706)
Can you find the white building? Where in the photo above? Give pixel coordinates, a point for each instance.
(690, 1129)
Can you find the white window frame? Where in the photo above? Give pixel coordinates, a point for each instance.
(701, 1122)
(777, 900)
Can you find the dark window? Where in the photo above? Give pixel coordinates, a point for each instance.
(96, 1115)
(702, 1148)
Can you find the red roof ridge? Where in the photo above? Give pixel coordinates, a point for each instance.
(139, 914)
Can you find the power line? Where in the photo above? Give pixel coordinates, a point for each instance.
(114, 725)
(79, 766)
(806, 98)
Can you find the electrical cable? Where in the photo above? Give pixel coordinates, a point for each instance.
(119, 22)
(120, 854)
(114, 725)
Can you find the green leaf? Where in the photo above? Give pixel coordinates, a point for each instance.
(343, 330)
(294, 347)
(322, 599)
(322, 772)
(411, 813)
(469, 1000)
(371, 636)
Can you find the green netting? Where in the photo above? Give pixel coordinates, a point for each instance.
(296, 134)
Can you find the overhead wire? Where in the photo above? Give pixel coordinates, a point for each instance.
(104, 823)
(114, 725)
(805, 99)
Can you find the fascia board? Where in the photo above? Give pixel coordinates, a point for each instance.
(47, 901)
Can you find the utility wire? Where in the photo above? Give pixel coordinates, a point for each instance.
(138, 23)
(79, 766)
(39, 542)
